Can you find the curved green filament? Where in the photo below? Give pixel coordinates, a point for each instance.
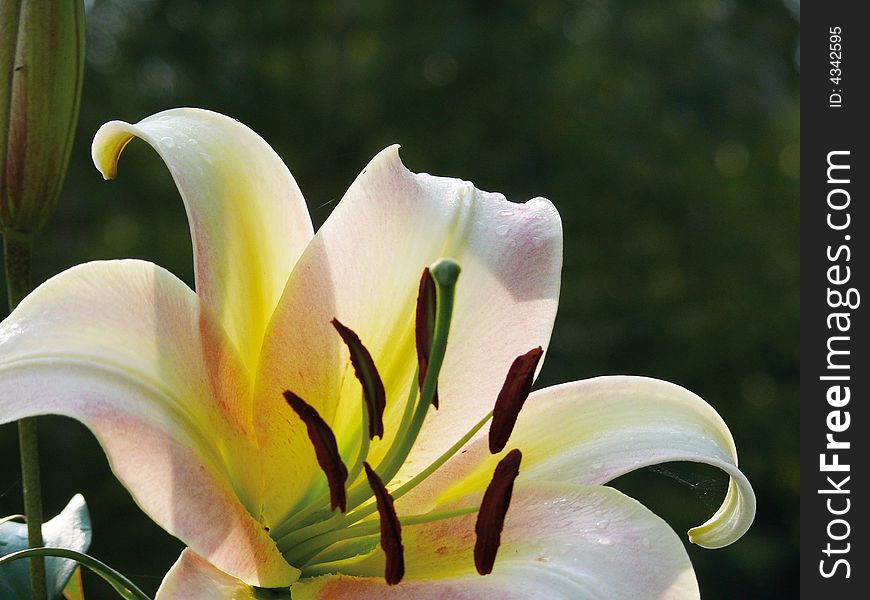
(345, 549)
(298, 536)
(311, 517)
(364, 511)
(309, 549)
(364, 441)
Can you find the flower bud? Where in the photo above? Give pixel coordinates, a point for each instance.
(41, 65)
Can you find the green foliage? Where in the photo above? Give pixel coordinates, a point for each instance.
(666, 133)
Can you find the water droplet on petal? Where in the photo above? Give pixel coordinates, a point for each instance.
(502, 229)
(646, 543)
(167, 142)
(602, 524)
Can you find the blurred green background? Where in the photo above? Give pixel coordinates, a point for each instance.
(665, 132)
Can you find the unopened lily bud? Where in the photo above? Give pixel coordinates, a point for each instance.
(41, 64)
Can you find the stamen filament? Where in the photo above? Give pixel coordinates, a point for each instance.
(312, 514)
(294, 538)
(364, 511)
(344, 550)
(342, 521)
(314, 546)
(357, 466)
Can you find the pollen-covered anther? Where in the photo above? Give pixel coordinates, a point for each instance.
(493, 508)
(367, 374)
(425, 327)
(513, 394)
(325, 449)
(391, 529)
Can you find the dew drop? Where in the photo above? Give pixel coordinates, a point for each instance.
(602, 524)
(167, 142)
(506, 213)
(537, 242)
(502, 229)
(646, 543)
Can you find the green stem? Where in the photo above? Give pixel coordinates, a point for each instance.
(17, 253)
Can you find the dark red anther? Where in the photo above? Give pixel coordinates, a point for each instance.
(367, 373)
(511, 398)
(391, 529)
(425, 326)
(325, 448)
(490, 519)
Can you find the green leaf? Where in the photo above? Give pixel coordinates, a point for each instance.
(70, 529)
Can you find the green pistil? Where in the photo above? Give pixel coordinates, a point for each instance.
(306, 551)
(445, 273)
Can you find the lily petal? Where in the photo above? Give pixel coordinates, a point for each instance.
(248, 220)
(363, 268)
(560, 541)
(193, 578)
(128, 349)
(595, 430)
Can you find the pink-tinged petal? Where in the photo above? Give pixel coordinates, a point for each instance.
(363, 267)
(129, 350)
(560, 541)
(248, 220)
(193, 578)
(595, 430)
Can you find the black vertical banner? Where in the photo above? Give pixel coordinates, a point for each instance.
(835, 371)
